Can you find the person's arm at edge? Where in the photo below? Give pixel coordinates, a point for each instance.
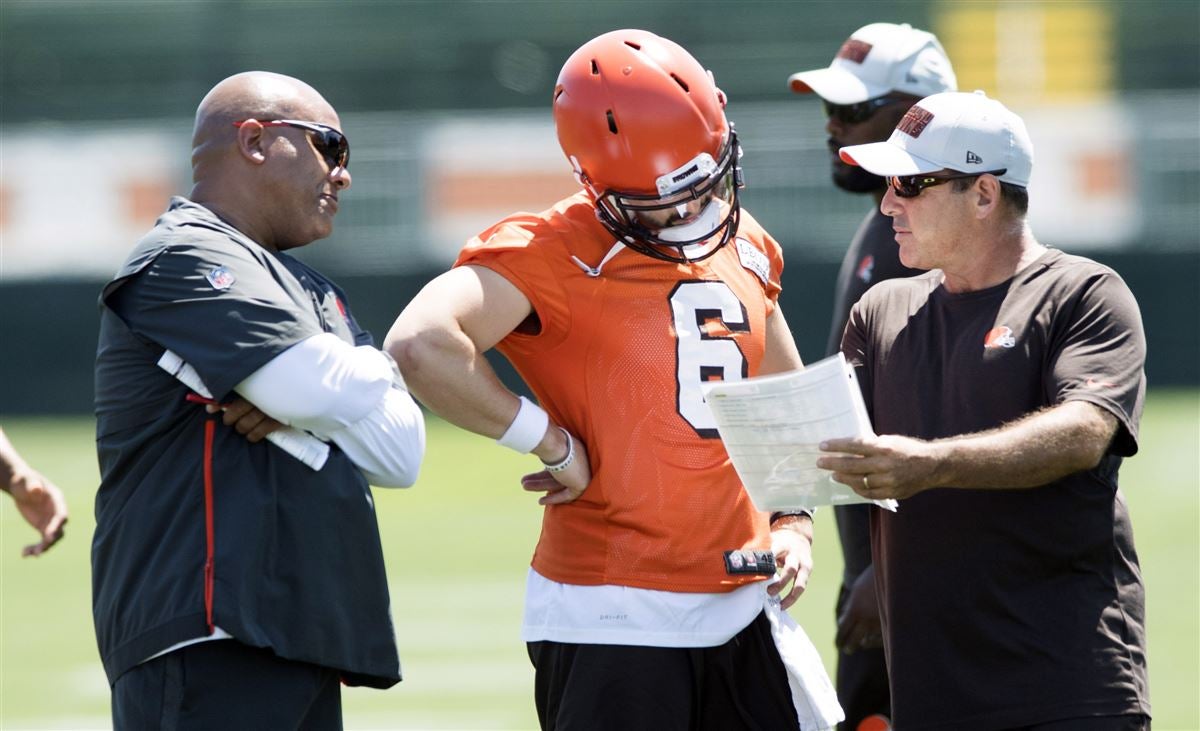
(791, 535)
(39, 501)
(439, 341)
(1030, 452)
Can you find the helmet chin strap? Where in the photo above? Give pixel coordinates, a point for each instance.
(704, 224)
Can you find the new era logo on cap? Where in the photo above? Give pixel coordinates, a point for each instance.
(973, 159)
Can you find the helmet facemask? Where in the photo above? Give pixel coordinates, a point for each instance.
(695, 204)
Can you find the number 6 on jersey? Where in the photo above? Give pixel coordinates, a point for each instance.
(703, 356)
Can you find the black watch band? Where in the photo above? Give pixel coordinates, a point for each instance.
(784, 513)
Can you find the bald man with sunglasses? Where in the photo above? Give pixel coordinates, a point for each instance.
(1006, 385)
(238, 582)
(876, 75)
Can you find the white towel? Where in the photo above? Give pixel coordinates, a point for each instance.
(813, 694)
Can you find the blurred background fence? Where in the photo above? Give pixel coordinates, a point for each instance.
(446, 104)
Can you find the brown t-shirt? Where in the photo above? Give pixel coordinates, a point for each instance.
(1006, 608)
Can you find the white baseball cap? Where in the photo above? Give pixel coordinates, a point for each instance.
(955, 130)
(877, 59)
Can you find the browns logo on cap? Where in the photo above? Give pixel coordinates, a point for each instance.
(854, 50)
(915, 121)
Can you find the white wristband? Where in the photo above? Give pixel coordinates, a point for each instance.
(527, 428)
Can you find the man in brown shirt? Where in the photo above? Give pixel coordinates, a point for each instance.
(1006, 385)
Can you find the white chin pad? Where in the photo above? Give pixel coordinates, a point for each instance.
(702, 226)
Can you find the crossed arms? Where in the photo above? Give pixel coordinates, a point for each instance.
(352, 396)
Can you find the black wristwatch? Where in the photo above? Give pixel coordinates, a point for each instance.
(784, 513)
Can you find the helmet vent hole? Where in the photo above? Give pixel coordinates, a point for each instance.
(612, 121)
(595, 68)
(634, 46)
(680, 81)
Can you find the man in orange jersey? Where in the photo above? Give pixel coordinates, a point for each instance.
(648, 604)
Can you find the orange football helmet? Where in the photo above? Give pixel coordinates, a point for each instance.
(643, 124)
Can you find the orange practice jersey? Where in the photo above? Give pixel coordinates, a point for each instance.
(618, 361)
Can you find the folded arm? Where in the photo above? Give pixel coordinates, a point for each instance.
(352, 396)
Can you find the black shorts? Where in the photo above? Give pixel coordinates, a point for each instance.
(741, 684)
(223, 684)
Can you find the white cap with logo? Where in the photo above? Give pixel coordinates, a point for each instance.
(969, 133)
(878, 59)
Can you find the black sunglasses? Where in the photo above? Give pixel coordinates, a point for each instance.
(861, 111)
(910, 186)
(329, 142)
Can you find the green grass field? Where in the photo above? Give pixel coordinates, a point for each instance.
(465, 667)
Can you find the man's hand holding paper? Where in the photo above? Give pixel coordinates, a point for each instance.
(772, 427)
(882, 467)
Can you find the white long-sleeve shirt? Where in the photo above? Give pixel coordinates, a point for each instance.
(352, 396)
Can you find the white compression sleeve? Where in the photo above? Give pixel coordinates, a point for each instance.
(352, 396)
(387, 444)
(320, 384)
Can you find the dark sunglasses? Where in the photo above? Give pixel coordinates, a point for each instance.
(861, 111)
(330, 143)
(910, 186)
